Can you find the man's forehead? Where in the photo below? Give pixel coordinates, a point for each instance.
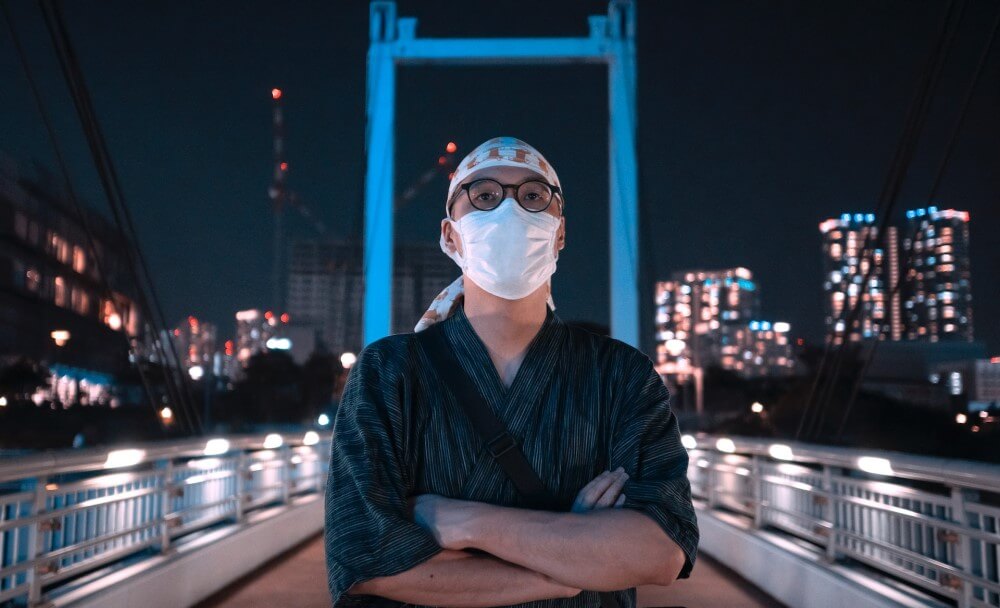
(505, 174)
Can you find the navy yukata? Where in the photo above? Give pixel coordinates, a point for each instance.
(580, 404)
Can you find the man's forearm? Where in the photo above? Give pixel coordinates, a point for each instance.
(601, 550)
(459, 578)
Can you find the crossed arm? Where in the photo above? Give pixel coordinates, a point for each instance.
(532, 555)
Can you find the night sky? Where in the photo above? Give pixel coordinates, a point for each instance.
(757, 120)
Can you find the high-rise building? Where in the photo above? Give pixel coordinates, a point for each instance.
(63, 303)
(853, 277)
(325, 288)
(708, 317)
(937, 295)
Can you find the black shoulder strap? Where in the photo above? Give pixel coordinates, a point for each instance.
(491, 430)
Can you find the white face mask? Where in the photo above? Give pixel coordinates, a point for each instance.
(508, 251)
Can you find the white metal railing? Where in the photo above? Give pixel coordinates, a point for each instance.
(63, 514)
(932, 523)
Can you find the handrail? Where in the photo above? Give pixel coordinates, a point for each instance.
(932, 523)
(64, 514)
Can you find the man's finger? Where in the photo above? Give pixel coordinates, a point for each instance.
(599, 487)
(620, 501)
(610, 494)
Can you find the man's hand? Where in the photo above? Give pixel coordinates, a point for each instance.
(602, 492)
(444, 518)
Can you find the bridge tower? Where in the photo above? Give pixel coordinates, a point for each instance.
(394, 42)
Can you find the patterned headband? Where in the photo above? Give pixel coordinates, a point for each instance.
(501, 152)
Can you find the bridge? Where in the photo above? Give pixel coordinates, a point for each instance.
(237, 521)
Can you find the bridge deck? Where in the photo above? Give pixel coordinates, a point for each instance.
(298, 578)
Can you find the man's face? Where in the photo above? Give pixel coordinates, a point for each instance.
(461, 204)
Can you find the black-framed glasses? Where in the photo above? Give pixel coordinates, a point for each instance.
(487, 194)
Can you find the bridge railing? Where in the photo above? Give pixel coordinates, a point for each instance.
(65, 514)
(931, 523)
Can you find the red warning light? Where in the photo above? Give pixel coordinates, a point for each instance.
(451, 147)
(284, 317)
(268, 314)
(442, 160)
(275, 93)
(800, 341)
(284, 166)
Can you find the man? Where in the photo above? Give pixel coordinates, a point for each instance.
(417, 510)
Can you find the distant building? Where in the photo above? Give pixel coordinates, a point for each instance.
(937, 294)
(849, 280)
(63, 303)
(708, 317)
(760, 348)
(256, 332)
(976, 382)
(196, 344)
(325, 288)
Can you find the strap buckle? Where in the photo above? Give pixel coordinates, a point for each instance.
(500, 445)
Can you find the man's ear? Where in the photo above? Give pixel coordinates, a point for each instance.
(450, 236)
(561, 233)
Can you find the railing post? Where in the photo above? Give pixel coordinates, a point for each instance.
(166, 496)
(286, 473)
(35, 543)
(963, 557)
(830, 514)
(757, 489)
(241, 474)
(710, 475)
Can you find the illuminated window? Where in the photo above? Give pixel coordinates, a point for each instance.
(60, 291)
(79, 259)
(32, 280)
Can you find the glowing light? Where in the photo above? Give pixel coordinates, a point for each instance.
(285, 317)
(279, 343)
(961, 418)
(984, 414)
(442, 160)
(3, 402)
(757, 407)
(248, 315)
(875, 465)
(689, 442)
(742, 471)
(725, 445)
(215, 447)
(451, 147)
(323, 420)
(675, 347)
(205, 464)
(273, 440)
(268, 314)
(60, 336)
(348, 359)
(275, 93)
(310, 438)
(702, 463)
(124, 458)
(780, 451)
(284, 166)
(296, 459)
(167, 414)
(196, 372)
(114, 321)
(782, 327)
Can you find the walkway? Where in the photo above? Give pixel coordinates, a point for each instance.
(298, 579)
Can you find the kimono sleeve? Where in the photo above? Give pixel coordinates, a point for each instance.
(368, 528)
(647, 443)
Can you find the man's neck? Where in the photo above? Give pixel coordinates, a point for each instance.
(506, 327)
